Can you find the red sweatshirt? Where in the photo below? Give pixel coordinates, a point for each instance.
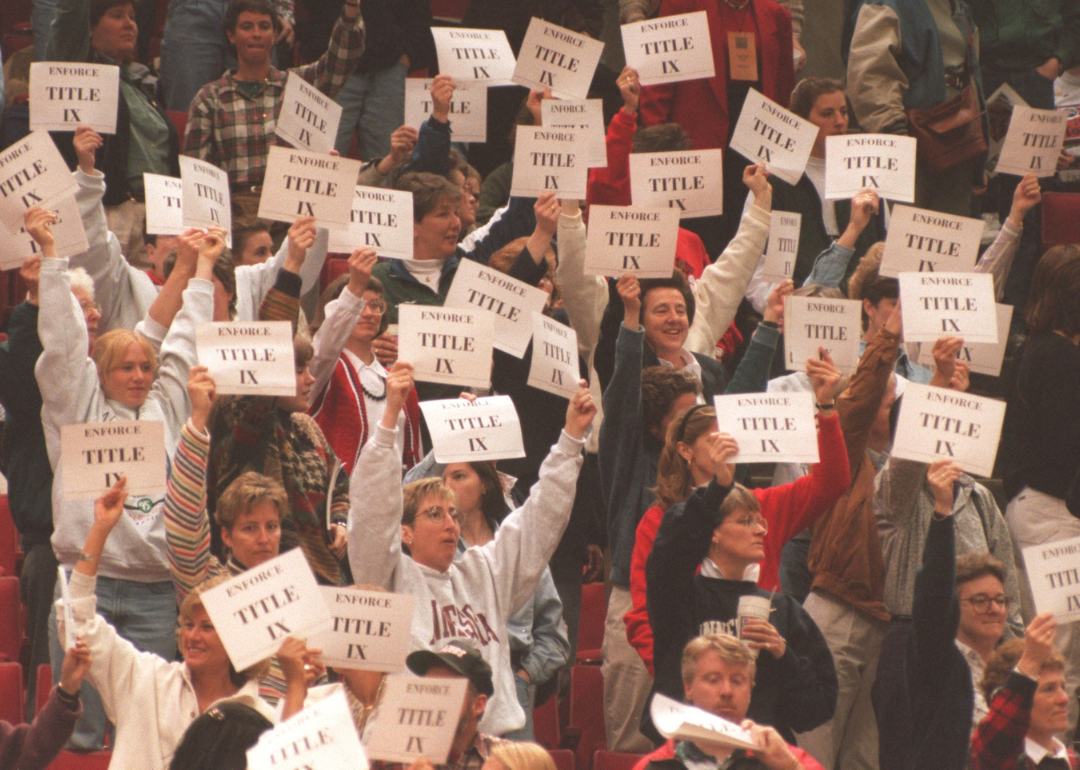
(667, 751)
(789, 509)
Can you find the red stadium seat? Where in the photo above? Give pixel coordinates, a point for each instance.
(591, 631)
(43, 687)
(72, 760)
(179, 119)
(586, 720)
(12, 706)
(546, 723)
(11, 612)
(564, 758)
(1060, 219)
(615, 760)
(331, 269)
(9, 540)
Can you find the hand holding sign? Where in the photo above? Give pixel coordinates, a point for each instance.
(203, 393)
(87, 142)
(302, 235)
(1038, 644)
(824, 376)
(399, 381)
(629, 289)
(442, 92)
(77, 660)
(580, 412)
(941, 476)
(110, 506)
(1026, 196)
(361, 263)
(38, 225)
(723, 450)
(630, 87)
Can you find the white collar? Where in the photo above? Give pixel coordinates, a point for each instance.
(1037, 753)
(710, 570)
(973, 658)
(690, 363)
(359, 365)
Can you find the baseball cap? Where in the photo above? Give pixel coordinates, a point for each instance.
(459, 658)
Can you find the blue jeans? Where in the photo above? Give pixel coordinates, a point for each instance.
(41, 18)
(142, 613)
(526, 694)
(373, 104)
(194, 51)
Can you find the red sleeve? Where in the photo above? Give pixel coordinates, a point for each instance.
(691, 250)
(611, 186)
(807, 761)
(638, 630)
(791, 508)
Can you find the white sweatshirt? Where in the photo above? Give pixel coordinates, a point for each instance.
(151, 700)
(125, 293)
(475, 597)
(72, 394)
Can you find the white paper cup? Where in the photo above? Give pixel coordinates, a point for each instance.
(756, 607)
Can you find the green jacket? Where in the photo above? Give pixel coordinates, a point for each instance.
(1023, 34)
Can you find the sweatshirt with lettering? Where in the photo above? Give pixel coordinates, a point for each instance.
(473, 600)
(71, 395)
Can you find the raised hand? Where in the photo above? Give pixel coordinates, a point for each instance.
(361, 263)
(547, 209)
(402, 142)
(580, 412)
(630, 87)
(1038, 644)
(301, 238)
(399, 381)
(38, 225)
(442, 90)
(630, 293)
(87, 141)
(203, 393)
(945, 351)
(532, 103)
(110, 506)
(76, 663)
(774, 304)
(824, 376)
(1025, 197)
(941, 476)
(723, 448)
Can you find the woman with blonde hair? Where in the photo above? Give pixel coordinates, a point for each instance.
(519, 756)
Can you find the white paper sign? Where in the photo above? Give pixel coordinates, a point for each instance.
(631, 239)
(64, 95)
(512, 301)
(770, 427)
(556, 58)
(308, 118)
(482, 55)
(248, 358)
(448, 345)
(554, 365)
(767, 133)
(689, 181)
(69, 237)
(416, 717)
(321, 736)
(585, 117)
(32, 173)
(669, 49)
(96, 454)
(983, 358)
(70, 629)
(370, 630)
(164, 204)
(549, 159)
(1034, 142)
(1053, 570)
(381, 218)
(884, 163)
(928, 241)
(782, 248)
(815, 322)
(938, 423)
(256, 610)
(468, 109)
(948, 305)
(684, 722)
(484, 429)
(206, 199)
(299, 183)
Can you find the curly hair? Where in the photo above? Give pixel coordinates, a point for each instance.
(660, 386)
(1004, 660)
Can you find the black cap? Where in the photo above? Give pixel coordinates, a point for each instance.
(459, 658)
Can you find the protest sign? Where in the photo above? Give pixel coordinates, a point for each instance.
(416, 717)
(308, 118)
(468, 109)
(884, 163)
(380, 217)
(32, 173)
(767, 133)
(1033, 143)
(370, 630)
(322, 736)
(69, 236)
(96, 454)
(482, 55)
(782, 248)
(682, 722)
(164, 204)
(512, 302)
(999, 107)
(549, 159)
(554, 365)
(938, 423)
(206, 198)
(922, 241)
(447, 345)
(556, 58)
(773, 427)
(631, 239)
(1053, 570)
(948, 304)
(669, 49)
(585, 117)
(256, 610)
(470, 431)
(70, 629)
(248, 358)
(816, 322)
(982, 357)
(65, 95)
(299, 183)
(690, 181)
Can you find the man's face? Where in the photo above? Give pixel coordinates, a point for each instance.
(720, 688)
(985, 625)
(665, 320)
(157, 251)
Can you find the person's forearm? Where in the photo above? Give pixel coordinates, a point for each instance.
(92, 549)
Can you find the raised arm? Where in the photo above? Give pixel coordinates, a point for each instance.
(584, 296)
(752, 373)
(303, 253)
(69, 35)
(432, 150)
(998, 257)
(342, 315)
(610, 185)
(830, 266)
(333, 68)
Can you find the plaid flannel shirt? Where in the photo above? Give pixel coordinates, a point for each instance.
(998, 743)
(234, 132)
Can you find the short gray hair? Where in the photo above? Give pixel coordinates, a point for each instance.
(80, 279)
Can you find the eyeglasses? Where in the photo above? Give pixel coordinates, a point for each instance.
(437, 514)
(89, 307)
(376, 306)
(981, 602)
(751, 521)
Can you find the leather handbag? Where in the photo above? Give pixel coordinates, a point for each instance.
(950, 133)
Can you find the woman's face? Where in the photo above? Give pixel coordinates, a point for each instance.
(255, 536)
(469, 202)
(253, 37)
(200, 645)
(129, 382)
(1050, 706)
(302, 400)
(433, 536)
(698, 454)
(466, 484)
(436, 235)
(258, 248)
(741, 536)
(830, 115)
(114, 34)
(367, 328)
